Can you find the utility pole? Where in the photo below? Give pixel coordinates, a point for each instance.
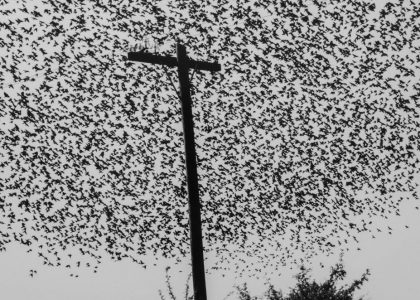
(184, 64)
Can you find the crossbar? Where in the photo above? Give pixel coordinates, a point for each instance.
(172, 61)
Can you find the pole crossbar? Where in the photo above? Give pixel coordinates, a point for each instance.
(172, 61)
(183, 63)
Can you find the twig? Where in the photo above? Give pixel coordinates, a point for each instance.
(187, 287)
(171, 293)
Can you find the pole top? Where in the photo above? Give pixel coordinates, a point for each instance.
(145, 57)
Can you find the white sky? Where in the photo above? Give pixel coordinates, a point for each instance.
(394, 262)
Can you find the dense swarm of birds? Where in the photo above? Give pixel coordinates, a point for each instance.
(310, 130)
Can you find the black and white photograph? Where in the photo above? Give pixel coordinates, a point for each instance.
(209, 149)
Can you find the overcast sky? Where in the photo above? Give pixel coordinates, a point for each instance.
(392, 259)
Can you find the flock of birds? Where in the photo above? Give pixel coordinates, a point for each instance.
(310, 131)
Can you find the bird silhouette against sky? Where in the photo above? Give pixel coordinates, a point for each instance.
(310, 131)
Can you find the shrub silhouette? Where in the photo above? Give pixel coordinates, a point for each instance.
(311, 290)
(305, 289)
(170, 290)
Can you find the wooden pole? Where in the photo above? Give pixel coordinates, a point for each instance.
(198, 272)
(184, 64)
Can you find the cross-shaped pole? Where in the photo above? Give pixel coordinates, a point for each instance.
(184, 64)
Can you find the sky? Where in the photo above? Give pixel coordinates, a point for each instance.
(392, 259)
